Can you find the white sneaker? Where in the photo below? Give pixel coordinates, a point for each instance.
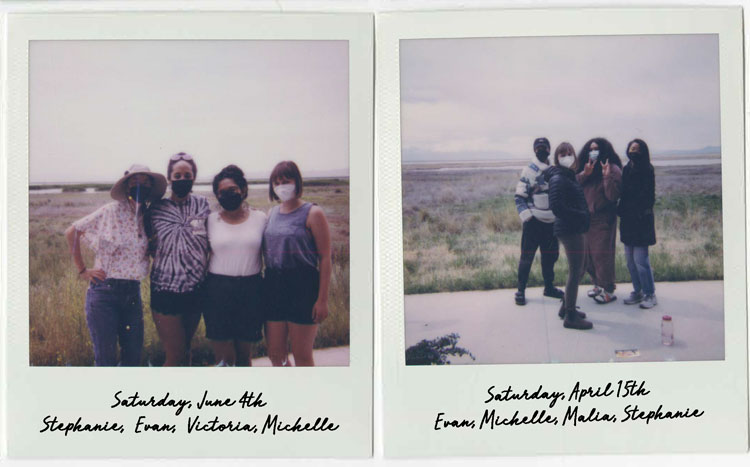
(649, 301)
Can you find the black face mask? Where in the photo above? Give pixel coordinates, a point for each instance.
(181, 188)
(139, 195)
(542, 154)
(635, 156)
(230, 200)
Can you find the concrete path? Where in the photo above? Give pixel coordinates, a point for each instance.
(331, 356)
(495, 330)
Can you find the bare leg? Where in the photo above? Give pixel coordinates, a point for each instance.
(190, 323)
(172, 336)
(242, 351)
(224, 352)
(302, 337)
(276, 342)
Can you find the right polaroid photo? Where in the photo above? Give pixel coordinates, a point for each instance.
(563, 208)
(563, 183)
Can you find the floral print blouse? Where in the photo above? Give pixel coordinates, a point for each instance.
(117, 236)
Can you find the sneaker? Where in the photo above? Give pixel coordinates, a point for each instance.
(604, 298)
(649, 301)
(594, 292)
(553, 292)
(635, 297)
(520, 298)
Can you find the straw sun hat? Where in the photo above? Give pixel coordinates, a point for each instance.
(119, 191)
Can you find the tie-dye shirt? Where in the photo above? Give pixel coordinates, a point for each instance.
(117, 236)
(179, 243)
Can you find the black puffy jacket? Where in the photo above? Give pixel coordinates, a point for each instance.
(636, 207)
(567, 202)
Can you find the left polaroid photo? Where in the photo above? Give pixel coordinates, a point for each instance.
(180, 226)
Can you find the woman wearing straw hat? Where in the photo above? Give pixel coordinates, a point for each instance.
(115, 232)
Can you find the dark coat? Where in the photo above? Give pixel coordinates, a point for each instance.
(567, 202)
(636, 206)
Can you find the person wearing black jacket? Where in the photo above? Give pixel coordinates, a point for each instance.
(637, 232)
(572, 220)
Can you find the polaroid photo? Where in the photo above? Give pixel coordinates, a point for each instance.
(189, 190)
(561, 226)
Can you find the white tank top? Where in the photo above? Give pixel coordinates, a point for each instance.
(236, 248)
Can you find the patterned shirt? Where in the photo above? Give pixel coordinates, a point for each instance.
(118, 239)
(180, 243)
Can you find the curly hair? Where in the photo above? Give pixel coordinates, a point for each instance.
(232, 172)
(606, 154)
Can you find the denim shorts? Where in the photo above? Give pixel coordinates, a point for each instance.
(290, 294)
(233, 308)
(114, 315)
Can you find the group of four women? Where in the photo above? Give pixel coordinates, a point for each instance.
(243, 270)
(587, 192)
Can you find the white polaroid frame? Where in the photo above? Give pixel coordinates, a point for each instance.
(413, 396)
(343, 394)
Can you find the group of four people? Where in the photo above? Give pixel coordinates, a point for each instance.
(243, 270)
(576, 199)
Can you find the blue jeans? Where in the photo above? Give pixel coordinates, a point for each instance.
(114, 312)
(640, 269)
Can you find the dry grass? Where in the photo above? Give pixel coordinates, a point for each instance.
(462, 232)
(57, 322)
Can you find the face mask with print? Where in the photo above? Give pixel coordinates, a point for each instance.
(567, 161)
(286, 191)
(594, 155)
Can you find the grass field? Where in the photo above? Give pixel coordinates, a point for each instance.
(57, 322)
(462, 231)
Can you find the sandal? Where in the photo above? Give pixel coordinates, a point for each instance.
(604, 298)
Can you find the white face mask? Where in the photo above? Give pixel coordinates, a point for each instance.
(567, 161)
(594, 155)
(286, 191)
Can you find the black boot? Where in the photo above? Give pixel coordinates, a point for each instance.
(561, 313)
(553, 292)
(573, 321)
(520, 298)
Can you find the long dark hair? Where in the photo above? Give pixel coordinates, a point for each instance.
(644, 151)
(606, 153)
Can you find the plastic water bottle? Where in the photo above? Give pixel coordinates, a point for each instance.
(667, 330)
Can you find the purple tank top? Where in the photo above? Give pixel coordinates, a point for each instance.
(287, 242)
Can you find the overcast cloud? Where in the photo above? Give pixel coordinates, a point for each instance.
(477, 98)
(98, 106)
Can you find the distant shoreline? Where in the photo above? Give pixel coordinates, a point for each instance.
(506, 162)
(98, 186)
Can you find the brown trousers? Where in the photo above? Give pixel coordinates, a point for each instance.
(599, 247)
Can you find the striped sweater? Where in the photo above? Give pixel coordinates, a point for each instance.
(532, 193)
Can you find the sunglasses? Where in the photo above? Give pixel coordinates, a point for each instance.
(181, 157)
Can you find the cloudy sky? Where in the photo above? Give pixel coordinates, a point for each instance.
(482, 98)
(98, 106)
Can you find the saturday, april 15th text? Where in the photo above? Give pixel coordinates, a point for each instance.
(185, 415)
(565, 409)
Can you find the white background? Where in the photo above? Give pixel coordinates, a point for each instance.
(384, 5)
